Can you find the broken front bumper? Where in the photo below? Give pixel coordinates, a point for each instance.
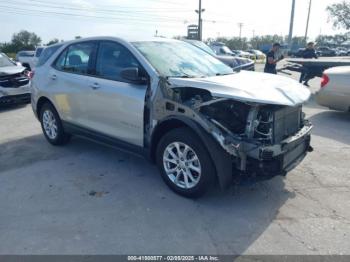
(269, 161)
(11, 95)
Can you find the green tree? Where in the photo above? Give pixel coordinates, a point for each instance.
(25, 40)
(53, 41)
(340, 14)
(331, 40)
(259, 42)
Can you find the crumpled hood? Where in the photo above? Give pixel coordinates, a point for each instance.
(249, 87)
(11, 70)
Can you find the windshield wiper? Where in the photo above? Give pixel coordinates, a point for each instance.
(219, 74)
(185, 76)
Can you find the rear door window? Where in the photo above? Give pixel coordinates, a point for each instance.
(77, 58)
(46, 54)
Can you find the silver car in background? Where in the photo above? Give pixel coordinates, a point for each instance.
(335, 89)
(14, 82)
(181, 107)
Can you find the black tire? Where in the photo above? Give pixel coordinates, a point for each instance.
(186, 136)
(61, 137)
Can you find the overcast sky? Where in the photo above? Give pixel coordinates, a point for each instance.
(65, 19)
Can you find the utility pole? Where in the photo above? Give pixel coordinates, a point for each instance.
(240, 30)
(291, 25)
(200, 22)
(307, 22)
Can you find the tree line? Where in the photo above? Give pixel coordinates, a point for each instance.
(25, 40)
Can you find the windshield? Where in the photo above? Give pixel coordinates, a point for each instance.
(180, 59)
(5, 61)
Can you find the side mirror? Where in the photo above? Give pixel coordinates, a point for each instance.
(132, 74)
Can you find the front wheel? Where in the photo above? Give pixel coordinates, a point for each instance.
(184, 163)
(52, 126)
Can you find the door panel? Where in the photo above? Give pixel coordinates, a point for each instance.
(69, 80)
(115, 109)
(113, 106)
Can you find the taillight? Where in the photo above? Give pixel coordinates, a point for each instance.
(29, 74)
(324, 81)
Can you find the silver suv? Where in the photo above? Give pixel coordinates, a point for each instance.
(181, 107)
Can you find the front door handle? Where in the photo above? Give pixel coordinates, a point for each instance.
(53, 77)
(95, 86)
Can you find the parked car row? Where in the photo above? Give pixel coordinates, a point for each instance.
(221, 49)
(323, 51)
(235, 62)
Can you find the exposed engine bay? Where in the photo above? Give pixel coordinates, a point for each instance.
(265, 124)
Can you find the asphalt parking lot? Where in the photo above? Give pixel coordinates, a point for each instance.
(86, 198)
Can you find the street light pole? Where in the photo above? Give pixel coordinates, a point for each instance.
(200, 21)
(308, 20)
(291, 25)
(240, 30)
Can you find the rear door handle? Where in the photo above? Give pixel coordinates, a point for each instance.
(95, 86)
(53, 77)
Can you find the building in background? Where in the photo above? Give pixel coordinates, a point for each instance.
(192, 32)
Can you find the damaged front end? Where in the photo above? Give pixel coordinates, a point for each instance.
(260, 140)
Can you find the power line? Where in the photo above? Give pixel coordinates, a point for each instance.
(108, 7)
(114, 21)
(126, 15)
(17, 4)
(120, 19)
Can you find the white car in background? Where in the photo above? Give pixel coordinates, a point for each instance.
(29, 59)
(335, 89)
(26, 58)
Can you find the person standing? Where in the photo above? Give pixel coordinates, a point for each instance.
(308, 53)
(272, 59)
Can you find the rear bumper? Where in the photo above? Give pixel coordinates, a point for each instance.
(333, 100)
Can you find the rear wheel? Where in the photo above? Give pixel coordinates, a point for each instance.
(184, 163)
(52, 126)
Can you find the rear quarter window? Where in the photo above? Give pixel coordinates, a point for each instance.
(47, 53)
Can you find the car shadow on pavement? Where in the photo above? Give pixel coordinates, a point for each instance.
(86, 198)
(332, 125)
(5, 108)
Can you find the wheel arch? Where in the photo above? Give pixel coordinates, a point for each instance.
(41, 101)
(221, 159)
